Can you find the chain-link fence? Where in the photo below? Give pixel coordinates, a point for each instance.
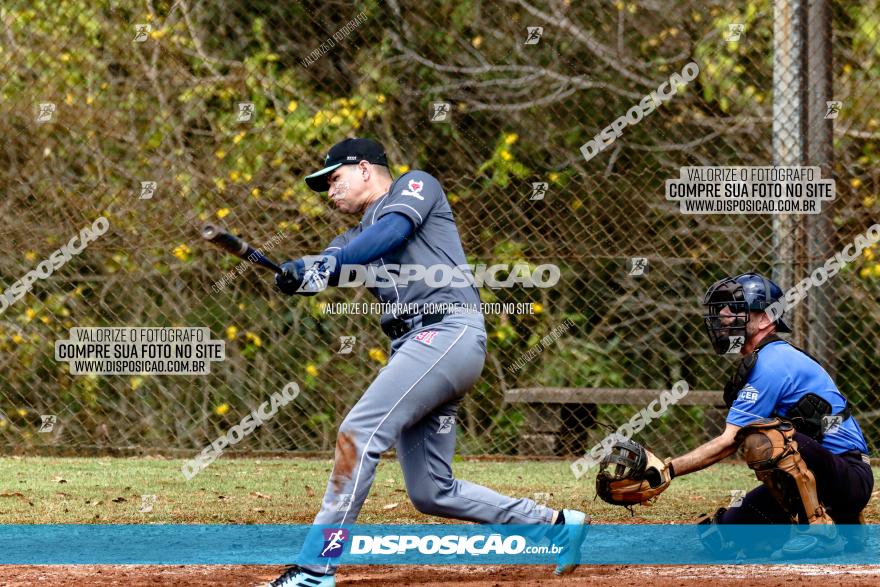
(141, 112)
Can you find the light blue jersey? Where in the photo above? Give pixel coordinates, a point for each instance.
(781, 377)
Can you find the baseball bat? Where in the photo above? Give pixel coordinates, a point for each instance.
(236, 246)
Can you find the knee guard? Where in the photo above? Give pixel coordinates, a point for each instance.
(771, 451)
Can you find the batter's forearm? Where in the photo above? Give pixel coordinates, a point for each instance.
(388, 233)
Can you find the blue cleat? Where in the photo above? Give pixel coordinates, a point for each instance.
(818, 540)
(295, 576)
(572, 536)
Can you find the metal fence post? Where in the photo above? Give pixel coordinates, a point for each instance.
(819, 152)
(789, 115)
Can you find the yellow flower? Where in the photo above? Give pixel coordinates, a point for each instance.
(251, 337)
(576, 204)
(292, 106)
(157, 34)
(246, 176)
(182, 252)
(312, 370)
(855, 182)
(505, 154)
(222, 409)
(30, 256)
(453, 198)
(380, 98)
(231, 332)
(68, 99)
(499, 335)
(65, 57)
(537, 307)
(220, 154)
(223, 213)
(510, 138)
(276, 162)
(847, 69)
(234, 175)
(17, 339)
(876, 270)
(553, 176)
(378, 355)
(21, 412)
(868, 201)
(135, 383)
(30, 314)
(2, 423)
(238, 137)
(477, 41)
(241, 306)
(44, 319)
(401, 169)
(863, 273)
(255, 193)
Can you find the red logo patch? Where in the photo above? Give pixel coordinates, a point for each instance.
(426, 337)
(414, 188)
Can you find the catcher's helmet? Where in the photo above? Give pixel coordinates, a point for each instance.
(748, 292)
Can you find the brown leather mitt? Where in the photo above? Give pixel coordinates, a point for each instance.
(631, 474)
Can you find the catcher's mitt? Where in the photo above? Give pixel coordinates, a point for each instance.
(631, 474)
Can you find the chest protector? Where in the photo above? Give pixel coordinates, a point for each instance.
(807, 415)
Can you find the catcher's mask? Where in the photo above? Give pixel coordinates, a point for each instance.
(748, 292)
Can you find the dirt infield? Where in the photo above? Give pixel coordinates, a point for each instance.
(474, 576)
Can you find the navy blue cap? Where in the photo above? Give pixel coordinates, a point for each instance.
(347, 152)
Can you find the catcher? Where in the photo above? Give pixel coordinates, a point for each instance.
(795, 428)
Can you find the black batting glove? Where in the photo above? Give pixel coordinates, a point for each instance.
(306, 276)
(291, 276)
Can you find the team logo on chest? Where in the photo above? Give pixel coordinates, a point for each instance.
(414, 189)
(426, 337)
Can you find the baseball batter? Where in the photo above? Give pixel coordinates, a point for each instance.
(435, 357)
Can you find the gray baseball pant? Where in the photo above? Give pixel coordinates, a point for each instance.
(412, 404)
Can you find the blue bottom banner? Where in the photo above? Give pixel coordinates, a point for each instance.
(456, 544)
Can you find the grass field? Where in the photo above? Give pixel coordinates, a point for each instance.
(40, 490)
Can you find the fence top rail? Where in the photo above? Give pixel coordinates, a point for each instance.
(606, 395)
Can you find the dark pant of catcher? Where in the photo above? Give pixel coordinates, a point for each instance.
(806, 481)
